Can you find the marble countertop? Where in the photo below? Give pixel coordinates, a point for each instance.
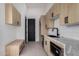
(71, 46)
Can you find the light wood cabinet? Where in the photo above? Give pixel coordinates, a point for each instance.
(12, 16)
(73, 13)
(49, 20)
(53, 11)
(56, 9)
(14, 48)
(69, 14)
(43, 25)
(64, 13)
(47, 45)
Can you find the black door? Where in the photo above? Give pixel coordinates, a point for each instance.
(31, 29)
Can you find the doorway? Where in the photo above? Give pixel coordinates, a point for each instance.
(31, 29)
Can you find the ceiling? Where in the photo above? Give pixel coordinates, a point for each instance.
(39, 5)
(44, 6)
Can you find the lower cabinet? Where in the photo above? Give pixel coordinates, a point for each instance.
(14, 48)
(47, 46)
(53, 47)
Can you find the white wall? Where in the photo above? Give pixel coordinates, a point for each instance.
(21, 7)
(7, 32)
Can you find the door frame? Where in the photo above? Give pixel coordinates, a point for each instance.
(26, 27)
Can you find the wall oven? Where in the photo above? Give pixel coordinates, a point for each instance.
(56, 50)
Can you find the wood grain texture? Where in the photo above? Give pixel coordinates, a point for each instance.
(47, 41)
(43, 25)
(73, 13)
(12, 16)
(14, 48)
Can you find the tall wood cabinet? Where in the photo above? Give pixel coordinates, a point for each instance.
(43, 25)
(49, 20)
(12, 16)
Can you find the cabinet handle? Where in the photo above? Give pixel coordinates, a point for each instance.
(45, 25)
(17, 22)
(45, 42)
(66, 20)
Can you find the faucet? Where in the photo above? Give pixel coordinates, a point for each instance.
(57, 31)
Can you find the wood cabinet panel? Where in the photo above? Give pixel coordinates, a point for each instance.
(73, 13)
(43, 25)
(14, 48)
(69, 12)
(64, 13)
(47, 45)
(12, 16)
(8, 13)
(49, 21)
(56, 9)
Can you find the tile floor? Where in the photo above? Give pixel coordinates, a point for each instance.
(33, 49)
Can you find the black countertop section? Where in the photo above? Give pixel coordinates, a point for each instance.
(53, 36)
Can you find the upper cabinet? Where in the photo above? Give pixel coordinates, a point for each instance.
(49, 20)
(53, 11)
(73, 13)
(12, 16)
(56, 9)
(69, 14)
(43, 25)
(63, 13)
